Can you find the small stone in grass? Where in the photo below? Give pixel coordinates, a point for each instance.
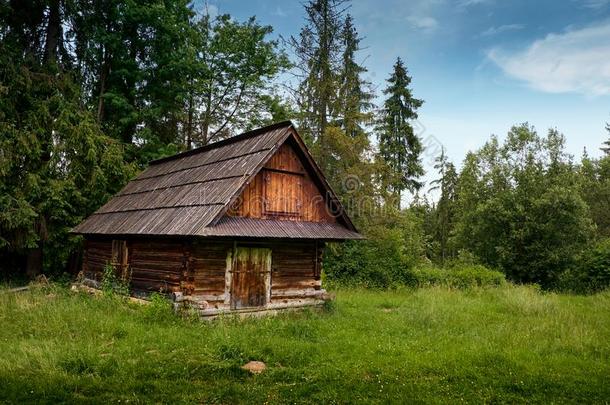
(255, 367)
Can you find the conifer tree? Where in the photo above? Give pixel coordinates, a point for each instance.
(355, 97)
(318, 51)
(56, 165)
(399, 145)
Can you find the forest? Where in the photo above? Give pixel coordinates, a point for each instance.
(92, 90)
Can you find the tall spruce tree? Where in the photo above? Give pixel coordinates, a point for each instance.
(318, 51)
(399, 145)
(355, 96)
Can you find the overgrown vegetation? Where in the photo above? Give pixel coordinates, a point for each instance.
(112, 285)
(508, 344)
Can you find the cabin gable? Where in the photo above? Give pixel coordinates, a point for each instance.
(283, 190)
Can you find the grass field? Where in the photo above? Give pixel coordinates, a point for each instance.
(509, 344)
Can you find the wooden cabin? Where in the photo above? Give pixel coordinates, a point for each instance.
(239, 225)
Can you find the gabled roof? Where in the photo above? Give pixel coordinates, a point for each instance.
(189, 193)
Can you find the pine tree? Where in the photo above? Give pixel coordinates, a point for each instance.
(399, 145)
(318, 52)
(355, 97)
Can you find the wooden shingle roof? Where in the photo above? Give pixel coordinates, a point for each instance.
(188, 194)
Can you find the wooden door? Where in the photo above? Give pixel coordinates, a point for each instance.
(120, 259)
(250, 277)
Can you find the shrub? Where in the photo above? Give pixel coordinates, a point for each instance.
(160, 308)
(392, 247)
(374, 263)
(591, 273)
(111, 284)
(462, 277)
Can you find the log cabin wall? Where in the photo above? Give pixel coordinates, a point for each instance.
(295, 270)
(198, 268)
(97, 254)
(151, 265)
(157, 266)
(208, 264)
(283, 189)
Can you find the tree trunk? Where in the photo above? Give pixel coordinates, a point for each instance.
(75, 261)
(34, 262)
(53, 32)
(189, 125)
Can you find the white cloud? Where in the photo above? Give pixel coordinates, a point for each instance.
(596, 4)
(572, 61)
(468, 3)
(279, 12)
(212, 10)
(423, 23)
(205, 8)
(502, 28)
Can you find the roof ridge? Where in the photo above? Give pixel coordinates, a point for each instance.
(223, 142)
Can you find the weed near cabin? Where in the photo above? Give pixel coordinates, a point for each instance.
(507, 344)
(113, 285)
(160, 308)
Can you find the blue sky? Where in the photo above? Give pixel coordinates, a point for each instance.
(481, 65)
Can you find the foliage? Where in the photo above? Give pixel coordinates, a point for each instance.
(318, 51)
(594, 178)
(394, 246)
(56, 167)
(112, 285)
(160, 308)
(443, 214)
(355, 95)
(520, 209)
(425, 345)
(333, 101)
(591, 272)
(606, 144)
(231, 66)
(132, 57)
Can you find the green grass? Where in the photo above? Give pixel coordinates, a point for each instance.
(508, 344)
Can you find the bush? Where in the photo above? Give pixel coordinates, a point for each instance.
(462, 277)
(375, 263)
(383, 260)
(112, 285)
(159, 309)
(591, 273)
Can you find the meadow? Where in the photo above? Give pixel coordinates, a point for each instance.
(433, 345)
